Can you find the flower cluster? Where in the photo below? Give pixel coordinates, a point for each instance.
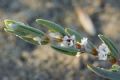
(82, 46)
(68, 41)
(103, 51)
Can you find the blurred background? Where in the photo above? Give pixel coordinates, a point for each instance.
(20, 60)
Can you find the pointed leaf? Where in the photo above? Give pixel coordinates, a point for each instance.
(66, 50)
(51, 25)
(105, 73)
(32, 41)
(23, 31)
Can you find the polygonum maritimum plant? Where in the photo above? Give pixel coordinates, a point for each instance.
(69, 42)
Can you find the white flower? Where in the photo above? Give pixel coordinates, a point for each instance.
(103, 47)
(78, 54)
(103, 51)
(37, 39)
(84, 44)
(84, 41)
(68, 41)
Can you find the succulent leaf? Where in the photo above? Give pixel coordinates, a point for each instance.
(23, 31)
(51, 26)
(66, 50)
(113, 75)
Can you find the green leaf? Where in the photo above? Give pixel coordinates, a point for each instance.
(23, 31)
(111, 46)
(30, 40)
(113, 75)
(51, 25)
(115, 68)
(73, 32)
(66, 50)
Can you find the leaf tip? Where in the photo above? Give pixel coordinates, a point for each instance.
(89, 66)
(38, 20)
(6, 21)
(100, 35)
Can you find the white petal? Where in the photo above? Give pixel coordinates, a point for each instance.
(68, 41)
(64, 44)
(102, 56)
(65, 38)
(71, 43)
(78, 54)
(103, 48)
(84, 41)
